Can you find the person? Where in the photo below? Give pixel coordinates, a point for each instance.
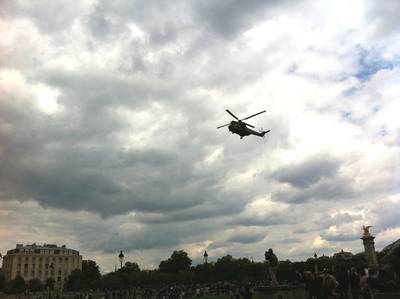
(247, 294)
(343, 280)
(365, 289)
(309, 281)
(354, 282)
(329, 285)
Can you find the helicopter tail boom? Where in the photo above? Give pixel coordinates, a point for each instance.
(264, 132)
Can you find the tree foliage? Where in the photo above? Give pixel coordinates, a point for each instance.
(88, 278)
(75, 281)
(50, 282)
(35, 285)
(2, 282)
(179, 261)
(90, 270)
(18, 284)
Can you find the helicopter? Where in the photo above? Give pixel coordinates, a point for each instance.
(241, 128)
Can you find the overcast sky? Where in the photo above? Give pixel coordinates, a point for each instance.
(108, 116)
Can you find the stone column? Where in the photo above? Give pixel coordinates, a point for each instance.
(369, 247)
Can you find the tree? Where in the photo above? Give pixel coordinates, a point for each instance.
(75, 281)
(179, 261)
(129, 266)
(35, 285)
(90, 270)
(18, 284)
(2, 282)
(50, 283)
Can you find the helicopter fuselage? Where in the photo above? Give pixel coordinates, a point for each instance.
(238, 127)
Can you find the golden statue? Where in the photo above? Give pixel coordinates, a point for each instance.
(366, 230)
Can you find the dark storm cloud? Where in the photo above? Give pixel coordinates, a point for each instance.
(337, 219)
(94, 89)
(49, 16)
(340, 237)
(227, 18)
(386, 214)
(77, 163)
(138, 237)
(290, 241)
(218, 244)
(162, 22)
(308, 172)
(323, 191)
(384, 15)
(264, 220)
(154, 237)
(166, 23)
(247, 238)
(208, 208)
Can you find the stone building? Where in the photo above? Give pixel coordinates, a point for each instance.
(42, 262)
(343, 255)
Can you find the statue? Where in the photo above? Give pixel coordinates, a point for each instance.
(272, 263)
(366, 230)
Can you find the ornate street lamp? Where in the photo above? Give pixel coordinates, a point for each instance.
(121, 258)
(205, 257)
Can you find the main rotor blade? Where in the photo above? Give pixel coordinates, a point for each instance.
(254, 115)
(231, 114)
(248, 124)
(223, 126)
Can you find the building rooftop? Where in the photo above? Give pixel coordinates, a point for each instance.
(35, 248)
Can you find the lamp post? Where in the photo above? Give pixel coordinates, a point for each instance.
(205, 257)
(316, 270)
(121, 258)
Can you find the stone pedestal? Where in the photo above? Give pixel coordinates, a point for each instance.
(281, 292)
(272, 274)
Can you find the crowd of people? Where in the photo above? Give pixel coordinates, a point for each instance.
(346, 284)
